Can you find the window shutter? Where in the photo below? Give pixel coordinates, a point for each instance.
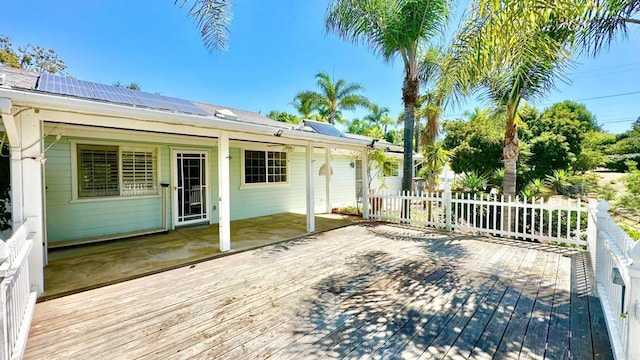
(97, 171)
(138, 172)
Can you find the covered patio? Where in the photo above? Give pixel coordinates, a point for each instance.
(362, 291)
(80, 268)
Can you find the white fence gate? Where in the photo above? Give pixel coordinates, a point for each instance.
(615, 257)
(17, 302)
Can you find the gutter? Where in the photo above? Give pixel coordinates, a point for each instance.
(63, 103)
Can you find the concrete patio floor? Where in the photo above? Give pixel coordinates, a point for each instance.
(80, 268)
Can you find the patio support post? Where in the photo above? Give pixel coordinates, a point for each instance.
(327, 174)
(32, 158)
(224, 194)
(365, 184)
(311, 221)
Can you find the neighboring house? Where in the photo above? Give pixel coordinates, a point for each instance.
(93, 161)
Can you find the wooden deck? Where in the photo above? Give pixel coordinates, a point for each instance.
(363, 291)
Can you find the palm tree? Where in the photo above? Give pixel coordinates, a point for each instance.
(435, 158)
(303, 103)
(393, 28)
(379, 116)
(606, 20)
(514, 51)
(441, 81)
(334, 97)
(212, 18)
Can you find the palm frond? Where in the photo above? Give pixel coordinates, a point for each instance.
(212, 17)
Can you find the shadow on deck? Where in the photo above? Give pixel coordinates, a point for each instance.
(369, 290)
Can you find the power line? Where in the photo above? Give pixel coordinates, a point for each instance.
(604, 68)
(609, 96)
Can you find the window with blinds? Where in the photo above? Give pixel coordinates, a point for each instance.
(138, 172)
(105, 171)
(97, 171)
(265, 167)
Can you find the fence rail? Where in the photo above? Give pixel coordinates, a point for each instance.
(616, 259)
(17, 302)
(561, 221)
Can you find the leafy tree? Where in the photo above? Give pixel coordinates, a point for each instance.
(548, 152)
(592, 155)
(627, 147)
(284, 117)
(212, 18)
(393, 28)
(514, 51)
(475, 144)
(131, 86)
(334, 97)
(569, 119)
(30, 57)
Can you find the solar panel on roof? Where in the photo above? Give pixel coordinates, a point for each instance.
(324, 129)
(114, 94)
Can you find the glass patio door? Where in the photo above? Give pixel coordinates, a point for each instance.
(190, 188)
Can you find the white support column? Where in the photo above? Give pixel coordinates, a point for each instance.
(328, 175)
(365, 184)
(17, 216)
(32, 192)
(311, 220)
(224, 194)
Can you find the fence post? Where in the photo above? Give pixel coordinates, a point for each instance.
(592, 228)
(633, 350)
(447, 198)
(602, 216)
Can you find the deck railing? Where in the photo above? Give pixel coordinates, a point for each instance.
(616, 259)
(561, 221)
(17, 302)
(615, 256)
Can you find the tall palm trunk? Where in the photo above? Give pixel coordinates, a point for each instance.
(510, 152)
(416, 137)
(409, 97)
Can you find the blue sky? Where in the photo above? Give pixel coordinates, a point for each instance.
(276, 47)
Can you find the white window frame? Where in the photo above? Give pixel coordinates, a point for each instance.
(245, 185)
(121, 147)
(394, 170)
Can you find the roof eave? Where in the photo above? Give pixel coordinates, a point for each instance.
(65, 103)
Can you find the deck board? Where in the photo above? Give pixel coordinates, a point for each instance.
(365, 291)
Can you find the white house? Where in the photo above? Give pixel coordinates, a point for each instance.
(92, 161)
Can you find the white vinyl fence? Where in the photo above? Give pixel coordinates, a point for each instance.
(17, 302)
(616, 261)
(615, 257)
(562, 221)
